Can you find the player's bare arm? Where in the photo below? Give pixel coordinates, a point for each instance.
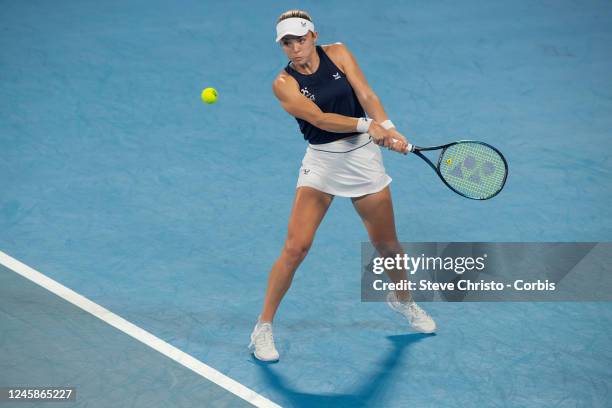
(291, 99)
(367, 97)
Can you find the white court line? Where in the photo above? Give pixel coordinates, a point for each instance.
(136, 332)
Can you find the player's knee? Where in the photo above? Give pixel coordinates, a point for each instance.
(295, 251)
(388, 248)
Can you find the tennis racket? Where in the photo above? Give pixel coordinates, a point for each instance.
(472, 169)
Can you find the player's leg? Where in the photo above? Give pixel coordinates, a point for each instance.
(309, 208)
(376, 211)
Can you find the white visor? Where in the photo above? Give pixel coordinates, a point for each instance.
(293, 26)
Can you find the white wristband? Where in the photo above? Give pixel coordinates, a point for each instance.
(363, 125)
(387, 124)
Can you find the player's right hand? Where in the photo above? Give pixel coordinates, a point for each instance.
(384, 137)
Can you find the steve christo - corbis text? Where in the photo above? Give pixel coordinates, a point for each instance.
(464, 284)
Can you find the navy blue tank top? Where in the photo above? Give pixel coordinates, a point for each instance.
(332, 92)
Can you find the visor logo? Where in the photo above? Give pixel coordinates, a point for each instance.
(303, 23)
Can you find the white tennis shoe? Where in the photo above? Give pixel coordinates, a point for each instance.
(262, 342)
(418, 318)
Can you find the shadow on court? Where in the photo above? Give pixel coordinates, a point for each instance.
(369, 392)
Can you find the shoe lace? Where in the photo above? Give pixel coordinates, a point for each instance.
(416, 311)
(267, 338)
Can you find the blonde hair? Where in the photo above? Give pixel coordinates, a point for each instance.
(292, 14)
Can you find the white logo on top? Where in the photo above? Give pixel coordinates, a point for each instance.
(336, 75)
(307, 93)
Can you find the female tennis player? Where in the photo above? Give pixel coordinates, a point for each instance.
(327, 93)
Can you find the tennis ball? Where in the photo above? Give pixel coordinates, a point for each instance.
(209, 95)
(449, 161)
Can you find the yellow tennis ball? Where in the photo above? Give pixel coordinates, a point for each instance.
(209, 95)
(449, 161)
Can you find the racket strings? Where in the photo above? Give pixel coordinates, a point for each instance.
(473, 169)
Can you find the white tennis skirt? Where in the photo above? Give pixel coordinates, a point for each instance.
(349, 167)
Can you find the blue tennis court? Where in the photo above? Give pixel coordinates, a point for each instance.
(118, 183)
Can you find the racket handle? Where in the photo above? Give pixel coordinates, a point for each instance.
(410, 147)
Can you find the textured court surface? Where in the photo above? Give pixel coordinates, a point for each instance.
(119, 183)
